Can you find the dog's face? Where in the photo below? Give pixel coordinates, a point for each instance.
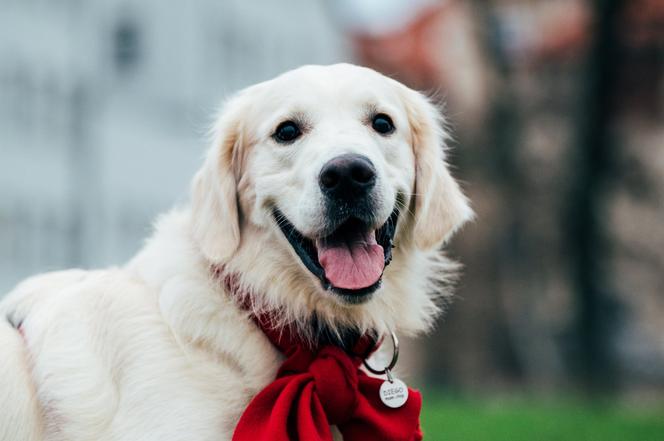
(332, 166)
(339, 164)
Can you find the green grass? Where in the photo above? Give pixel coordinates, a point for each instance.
(523, 420)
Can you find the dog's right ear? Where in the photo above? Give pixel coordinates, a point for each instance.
(214, 201)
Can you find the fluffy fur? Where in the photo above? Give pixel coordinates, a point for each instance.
(157, 349)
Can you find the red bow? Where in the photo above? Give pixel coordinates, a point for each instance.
(318, 388)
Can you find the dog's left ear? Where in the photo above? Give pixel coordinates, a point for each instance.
(214, 200)
(440, 206)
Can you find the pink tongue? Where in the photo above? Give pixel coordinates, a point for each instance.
(355, 264)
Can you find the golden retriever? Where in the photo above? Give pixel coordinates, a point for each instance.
(315, 182)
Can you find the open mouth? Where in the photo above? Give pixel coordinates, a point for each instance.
(351, 260)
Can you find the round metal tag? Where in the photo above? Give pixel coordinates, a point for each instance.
(394, 394)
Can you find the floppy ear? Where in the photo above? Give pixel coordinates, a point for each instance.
(440, 207)
(214, 200)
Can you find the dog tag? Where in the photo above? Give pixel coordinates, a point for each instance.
(393, 392)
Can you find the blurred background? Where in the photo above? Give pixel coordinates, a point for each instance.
(557, 110)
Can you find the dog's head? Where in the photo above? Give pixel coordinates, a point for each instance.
(313, 178)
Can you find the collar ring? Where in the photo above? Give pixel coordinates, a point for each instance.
(393, 362)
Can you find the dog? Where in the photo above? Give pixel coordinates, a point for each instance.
(325, 198)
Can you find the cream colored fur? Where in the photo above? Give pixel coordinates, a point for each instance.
(156, 349)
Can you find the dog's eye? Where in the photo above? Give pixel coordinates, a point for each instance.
(287, 131)
(382, 124)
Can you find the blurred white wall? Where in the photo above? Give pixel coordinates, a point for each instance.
(104, 106)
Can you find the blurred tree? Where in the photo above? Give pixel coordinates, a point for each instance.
(595, 307)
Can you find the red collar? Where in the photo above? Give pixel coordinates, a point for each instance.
(316, 387)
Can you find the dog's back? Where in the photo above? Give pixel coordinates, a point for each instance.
(22, 415)
(88, 355)
(20, 418)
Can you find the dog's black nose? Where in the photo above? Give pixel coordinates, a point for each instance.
(348, 176)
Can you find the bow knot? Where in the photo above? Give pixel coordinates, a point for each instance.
(317, 388)
(335, 378)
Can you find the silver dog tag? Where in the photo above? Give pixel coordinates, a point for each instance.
(393, 392)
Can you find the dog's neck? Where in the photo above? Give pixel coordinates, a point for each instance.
(316, 332)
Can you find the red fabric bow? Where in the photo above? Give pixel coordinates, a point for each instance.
(318, 388)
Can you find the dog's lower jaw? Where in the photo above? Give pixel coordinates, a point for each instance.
(356, 296)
